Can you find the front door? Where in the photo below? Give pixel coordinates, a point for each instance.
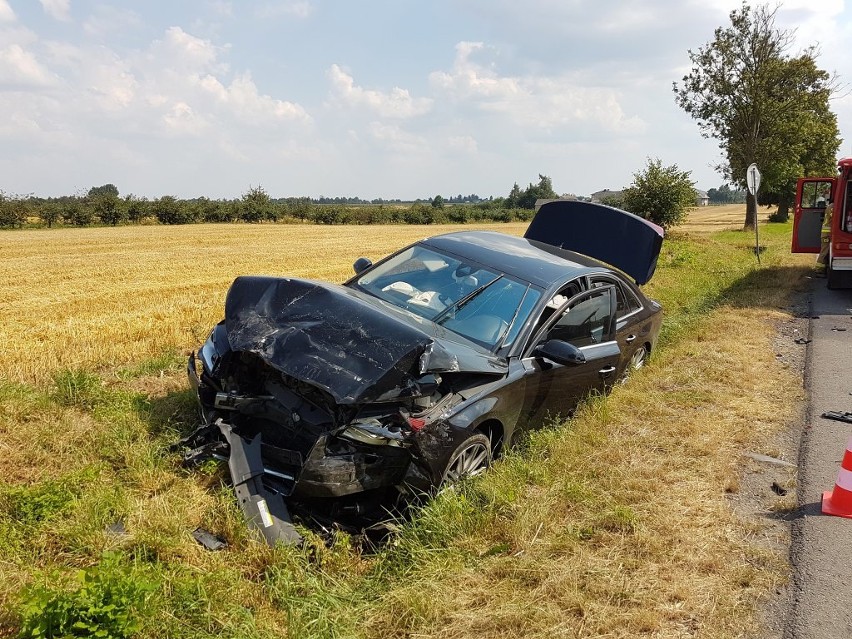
(588, 322)
(813, 195)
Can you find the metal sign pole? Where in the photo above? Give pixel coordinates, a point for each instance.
(753, 182)
(756, 232)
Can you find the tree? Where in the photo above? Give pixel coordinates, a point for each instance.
(108, 207)
(13, 211)
(514, 196)
(50, 212)
(534, 192)
(807, 143)
(255, 205)
(170, 210)
(208, 210)
(526, 199)
(660, 194)
(77, 212)
(136, 207)
(725, 195)
(438, 202)
(615, 200)
(762, 105)
(106, 189)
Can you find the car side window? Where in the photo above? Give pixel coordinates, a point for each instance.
(625, 300)
(554, 303)
(587, 320)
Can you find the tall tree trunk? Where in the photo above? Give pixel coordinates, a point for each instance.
(784, 202)
(751, 211)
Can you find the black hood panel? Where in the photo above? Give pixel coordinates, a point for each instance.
(330, 337)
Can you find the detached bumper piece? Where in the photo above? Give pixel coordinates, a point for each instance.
(844, 416)
(262, 508)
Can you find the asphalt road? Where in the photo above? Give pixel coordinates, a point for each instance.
(821, 551)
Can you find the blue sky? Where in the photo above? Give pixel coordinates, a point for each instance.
(393, 99)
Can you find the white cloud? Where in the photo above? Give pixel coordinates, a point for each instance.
(392, 137)
(19, 68)
(469, 80)
(532, 101)
(57, 9)
(113, 83)
(186, 52)
(6, 13)
(178, 87)
(181, 119)
(17, 34)
(243, 98)
(396, 104)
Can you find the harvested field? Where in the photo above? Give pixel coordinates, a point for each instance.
(109, 297)
(708, 219)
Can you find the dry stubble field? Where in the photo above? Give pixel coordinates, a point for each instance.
(111, 297)
(617, 525)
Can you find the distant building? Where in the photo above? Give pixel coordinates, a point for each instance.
(606, 196)
(542, 201)
(701, 198)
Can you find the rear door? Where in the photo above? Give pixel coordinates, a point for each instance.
(812, 197)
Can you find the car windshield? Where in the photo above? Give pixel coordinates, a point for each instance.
(485, 306)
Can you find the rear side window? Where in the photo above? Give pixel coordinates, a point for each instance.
(626, 301)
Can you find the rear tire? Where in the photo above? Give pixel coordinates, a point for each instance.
(637, 361)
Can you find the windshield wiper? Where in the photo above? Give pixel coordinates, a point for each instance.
(458, 304)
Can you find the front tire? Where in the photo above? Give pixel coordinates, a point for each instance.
(470, 458)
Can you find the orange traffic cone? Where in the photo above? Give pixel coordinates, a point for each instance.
(839, 501)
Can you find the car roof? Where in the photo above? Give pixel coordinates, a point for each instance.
(529, 260)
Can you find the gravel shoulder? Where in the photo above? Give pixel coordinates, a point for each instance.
(767, 494)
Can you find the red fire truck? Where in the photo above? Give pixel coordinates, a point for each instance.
(813, 195)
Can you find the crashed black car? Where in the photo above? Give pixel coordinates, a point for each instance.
(421, 368)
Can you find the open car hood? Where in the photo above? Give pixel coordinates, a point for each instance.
(333, 338)
(626, 241)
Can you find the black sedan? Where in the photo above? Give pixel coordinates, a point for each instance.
(420, 369)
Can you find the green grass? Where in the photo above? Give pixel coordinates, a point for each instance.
(567, 517)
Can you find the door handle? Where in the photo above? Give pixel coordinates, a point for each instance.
(630, 338)
(605, 372)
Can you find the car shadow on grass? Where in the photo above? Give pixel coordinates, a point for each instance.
(174, 414)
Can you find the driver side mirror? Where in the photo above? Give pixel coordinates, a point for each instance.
(362, 264)
(560, 352)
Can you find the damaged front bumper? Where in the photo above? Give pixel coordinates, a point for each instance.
(361, 460)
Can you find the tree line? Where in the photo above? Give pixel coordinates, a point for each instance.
(103, 205)
(660, 194)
